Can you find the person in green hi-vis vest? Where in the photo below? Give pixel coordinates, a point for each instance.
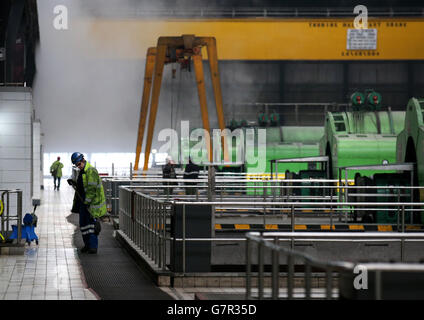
(56, 171)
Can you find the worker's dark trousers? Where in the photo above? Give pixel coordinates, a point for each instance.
(58, 182)
(86, 222)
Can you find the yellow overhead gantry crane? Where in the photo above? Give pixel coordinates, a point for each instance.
(181, 50)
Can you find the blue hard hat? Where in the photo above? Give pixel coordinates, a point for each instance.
(76, 157)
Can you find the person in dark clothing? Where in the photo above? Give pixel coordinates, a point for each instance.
(168, 172)
(89, 202)
(191, 172)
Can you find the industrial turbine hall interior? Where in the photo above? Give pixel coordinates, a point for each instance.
(211, 150)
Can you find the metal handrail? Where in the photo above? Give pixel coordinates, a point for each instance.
(278, 203)
(7, 218)
(271, 240)
(145, 219)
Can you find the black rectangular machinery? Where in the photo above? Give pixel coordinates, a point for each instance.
(191, 221)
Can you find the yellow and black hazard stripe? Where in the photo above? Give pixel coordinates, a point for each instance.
(315, 227)
(261, 211)
(306, 227)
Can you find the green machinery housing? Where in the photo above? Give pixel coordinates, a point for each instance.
(375, 148)
(366, 135)
(410, 142)
(287, 142)
(365, 140)
(281, 141)
(385, 175)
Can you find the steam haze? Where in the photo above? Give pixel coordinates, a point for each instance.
(89, 80)
(86, 98)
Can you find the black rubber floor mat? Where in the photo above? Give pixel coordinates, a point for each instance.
(112, 273)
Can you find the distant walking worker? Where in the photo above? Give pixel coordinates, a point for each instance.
(56, 171)
(191, 172)
(168, 172)
(89, 201)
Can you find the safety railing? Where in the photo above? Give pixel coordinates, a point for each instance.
(272, 241)
(149, 221)
(257, 190)
(143, 219)
(154, 179)
(10, 215)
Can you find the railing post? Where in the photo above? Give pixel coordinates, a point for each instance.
(136, 220)
(140, 222)
(8, 215)
(164, 237)
(275, 271)
(331, 209)
(146, 208)
(157, 232)
(403, 218)
(151, 231)
(260, 270)
(131, 210)
(154, 235)
(121, 215)
(292, 221)
(184, 236)
(378, 293)
(329, 283)
(19, 213)
(290, 276)
(398, 211)
(402, 241)
(347, 193)
(3, 214)
(248, 270)
(307, 280)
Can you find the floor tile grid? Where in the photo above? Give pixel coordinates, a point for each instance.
(51, 270)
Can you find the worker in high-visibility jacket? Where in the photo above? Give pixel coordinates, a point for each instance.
(89, 202)
(56, 171)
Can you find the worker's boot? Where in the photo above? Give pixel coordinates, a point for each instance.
(84, 249)
(92, 250)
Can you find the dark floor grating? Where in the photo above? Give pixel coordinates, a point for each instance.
(112, 273)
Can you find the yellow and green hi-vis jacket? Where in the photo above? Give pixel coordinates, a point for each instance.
(94, 194)
(57, 166)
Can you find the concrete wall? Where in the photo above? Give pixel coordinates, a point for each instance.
(16, 112)
(36, 162)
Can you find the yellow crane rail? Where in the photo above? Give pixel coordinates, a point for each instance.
(263, 38)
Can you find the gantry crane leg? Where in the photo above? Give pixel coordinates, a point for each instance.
(188, 45)
(213, 63)
(148, 74)
(157, 81)
(200, 80)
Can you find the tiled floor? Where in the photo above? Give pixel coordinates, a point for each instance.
(51, 270)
